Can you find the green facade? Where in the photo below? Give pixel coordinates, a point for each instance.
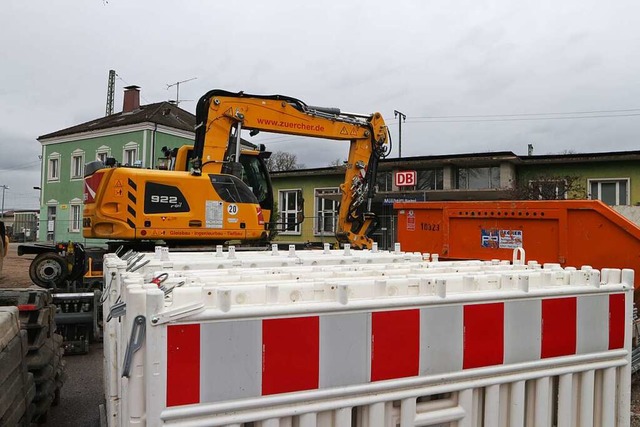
(308, 184)
(63, 196)
(586, 173)
(586, 170)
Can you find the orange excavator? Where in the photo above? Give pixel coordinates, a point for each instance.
(220, 191)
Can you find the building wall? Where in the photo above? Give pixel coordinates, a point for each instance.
(586, 171)
(66, 193)
(25, 226)
(632, 213)
(308, 185)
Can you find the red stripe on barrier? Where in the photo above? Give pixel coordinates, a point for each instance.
(558, 327)
(483, 335)
(183, 364)
(395, 344)
(616, 321)
(290, 354)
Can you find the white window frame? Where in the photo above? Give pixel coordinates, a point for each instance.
(539, 183)
(75, 224)
(283, 212)
(53, 157)
(320, 213)
(610, 180)
(130, 146)
(77, 174)
(103, 150)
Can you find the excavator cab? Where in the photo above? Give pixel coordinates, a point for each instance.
(253, 171)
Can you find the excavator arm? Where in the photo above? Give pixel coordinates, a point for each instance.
(221, 115)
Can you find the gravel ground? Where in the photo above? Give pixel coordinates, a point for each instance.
(15, 272)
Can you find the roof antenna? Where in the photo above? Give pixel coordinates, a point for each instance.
(177, 85)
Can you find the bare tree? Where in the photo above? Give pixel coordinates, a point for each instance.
(549, 187)
(283, 161)
(337, 162)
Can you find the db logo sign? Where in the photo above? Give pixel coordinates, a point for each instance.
(405, 178)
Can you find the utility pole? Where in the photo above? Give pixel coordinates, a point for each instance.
(4, 188)
(111, 88)
(177, 85)
(403, 117)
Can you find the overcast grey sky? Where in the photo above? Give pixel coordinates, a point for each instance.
(497, 59)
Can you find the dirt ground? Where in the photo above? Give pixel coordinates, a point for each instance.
(15, 274)
(15, 271)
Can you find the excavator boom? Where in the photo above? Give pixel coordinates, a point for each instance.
(218, 111)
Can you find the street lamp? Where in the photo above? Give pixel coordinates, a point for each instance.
(4, 188)
(403, 117)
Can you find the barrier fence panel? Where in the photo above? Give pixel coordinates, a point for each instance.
(434, 344)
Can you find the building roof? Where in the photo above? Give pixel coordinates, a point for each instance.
(608, 156)
(473, 159)
(12, 212)
(162, 113)
(452, 159)
(324, 171)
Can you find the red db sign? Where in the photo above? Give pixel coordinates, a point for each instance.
(405, 178)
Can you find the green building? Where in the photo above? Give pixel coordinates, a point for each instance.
(134, 137)
(611, 177)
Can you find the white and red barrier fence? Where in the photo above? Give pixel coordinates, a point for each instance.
(467, 343)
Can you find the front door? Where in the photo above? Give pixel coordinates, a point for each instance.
(51, 223)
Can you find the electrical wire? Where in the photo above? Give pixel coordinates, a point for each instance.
(527, 114)
(518, 119)
(118, 76)
(18, 167)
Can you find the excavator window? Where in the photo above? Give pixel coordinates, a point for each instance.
(255, 175)
(231, 189)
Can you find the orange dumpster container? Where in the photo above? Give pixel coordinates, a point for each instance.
(568, 232)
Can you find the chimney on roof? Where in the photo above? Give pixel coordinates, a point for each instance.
(131, 98)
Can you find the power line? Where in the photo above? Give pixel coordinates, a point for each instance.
(125, 82)
(420, 120)
(526, 114)
(23, 166)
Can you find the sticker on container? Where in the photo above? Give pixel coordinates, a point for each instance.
(411, 221)
(500, 239)
(489, 238)
(214, 214)
(232, 209)
(510, 239)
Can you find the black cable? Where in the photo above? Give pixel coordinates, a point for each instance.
(520, 119)
(526, 114)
